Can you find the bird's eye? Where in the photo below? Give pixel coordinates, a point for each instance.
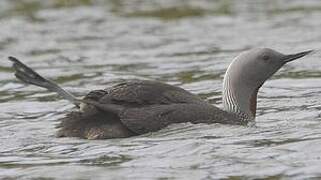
(265, 57)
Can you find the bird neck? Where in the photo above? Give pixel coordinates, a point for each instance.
(239, 98)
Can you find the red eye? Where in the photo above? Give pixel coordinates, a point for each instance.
(265, 57)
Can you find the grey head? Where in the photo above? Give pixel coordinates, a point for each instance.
(246, 74)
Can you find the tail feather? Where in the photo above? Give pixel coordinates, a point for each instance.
(26, 74)
(29, 76)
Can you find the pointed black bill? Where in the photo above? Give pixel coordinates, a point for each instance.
(291, 57)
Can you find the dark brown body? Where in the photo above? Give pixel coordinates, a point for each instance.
(140, 107)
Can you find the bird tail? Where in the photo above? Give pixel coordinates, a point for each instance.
(29, 76)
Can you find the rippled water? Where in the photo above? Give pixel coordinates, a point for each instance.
(86, 45)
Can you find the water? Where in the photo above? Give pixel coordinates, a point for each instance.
(86, 45)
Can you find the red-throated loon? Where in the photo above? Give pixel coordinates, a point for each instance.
(138, 107)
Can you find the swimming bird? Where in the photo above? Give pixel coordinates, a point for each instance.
(140, 106)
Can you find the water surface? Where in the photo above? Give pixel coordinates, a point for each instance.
(86, 45)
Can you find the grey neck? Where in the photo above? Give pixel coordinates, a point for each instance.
(238, 97)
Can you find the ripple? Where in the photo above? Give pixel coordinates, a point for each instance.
(86, 45)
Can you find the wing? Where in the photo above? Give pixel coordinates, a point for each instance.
(147, 106)
(153, 118)
(142, 93)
